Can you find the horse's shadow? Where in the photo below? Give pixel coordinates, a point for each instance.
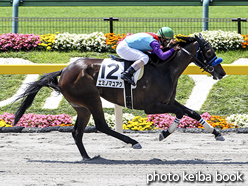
(99, 160)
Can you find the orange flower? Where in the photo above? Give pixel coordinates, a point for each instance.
(245, 43)
(112, 39)
(65, 125)
(218, 122)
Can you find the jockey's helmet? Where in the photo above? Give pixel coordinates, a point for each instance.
(165, 33)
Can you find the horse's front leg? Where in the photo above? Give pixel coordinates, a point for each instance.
(197, 117)
(160, 108)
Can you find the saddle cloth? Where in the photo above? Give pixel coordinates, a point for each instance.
(110, 74)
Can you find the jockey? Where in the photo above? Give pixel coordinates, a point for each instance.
(132, 48)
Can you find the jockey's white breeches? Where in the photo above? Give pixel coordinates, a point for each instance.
(131, 54)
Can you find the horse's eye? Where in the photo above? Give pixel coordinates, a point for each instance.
(209, 53)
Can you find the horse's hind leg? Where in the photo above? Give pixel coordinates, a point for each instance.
(78, 130)
(102, 126)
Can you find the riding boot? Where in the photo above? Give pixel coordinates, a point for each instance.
(128, 75)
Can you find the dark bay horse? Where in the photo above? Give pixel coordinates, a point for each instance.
(155, 92)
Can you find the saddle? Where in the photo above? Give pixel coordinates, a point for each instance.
(127, 64)
(120, 59)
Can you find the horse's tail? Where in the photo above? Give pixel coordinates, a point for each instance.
(48, 80)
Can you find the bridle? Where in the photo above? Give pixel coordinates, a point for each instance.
(205, 65)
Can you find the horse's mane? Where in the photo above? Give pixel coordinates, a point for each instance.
(182, 41)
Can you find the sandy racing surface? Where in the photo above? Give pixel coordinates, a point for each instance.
(182, 159)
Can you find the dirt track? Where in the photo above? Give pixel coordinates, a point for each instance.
(53, 159)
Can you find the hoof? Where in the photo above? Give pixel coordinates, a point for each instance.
(137, 146)
(89, 159)
(86, 159)
(220, 138)
(161, 137)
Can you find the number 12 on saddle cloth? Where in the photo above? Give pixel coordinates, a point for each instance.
(110, 74)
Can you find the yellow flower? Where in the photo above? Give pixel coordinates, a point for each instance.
(7, 125)
(124, 126)
(4, 124)
(134, 128)
(139, 124)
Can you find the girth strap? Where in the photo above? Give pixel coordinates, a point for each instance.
(128, 98)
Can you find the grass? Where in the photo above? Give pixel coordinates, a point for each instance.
(10, 83)
(228, 96)
(64, 57)
(132, 25)
(127, 11)
(231, 56)
(52, 57)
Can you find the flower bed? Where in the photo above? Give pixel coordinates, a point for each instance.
(36, 120)
(84, 42)
(223, 40)
(240, 120)
(18, 42)
(130, 122)
(100, 42)
(139, 124)
(163, 121)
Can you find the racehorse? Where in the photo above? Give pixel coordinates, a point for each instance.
(155, 92)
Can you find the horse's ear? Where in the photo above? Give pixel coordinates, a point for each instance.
(197, 38)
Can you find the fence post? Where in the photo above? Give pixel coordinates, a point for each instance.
(205, 14)
(15, 15)
(118, 119)
(239, 20)
(111, 19)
